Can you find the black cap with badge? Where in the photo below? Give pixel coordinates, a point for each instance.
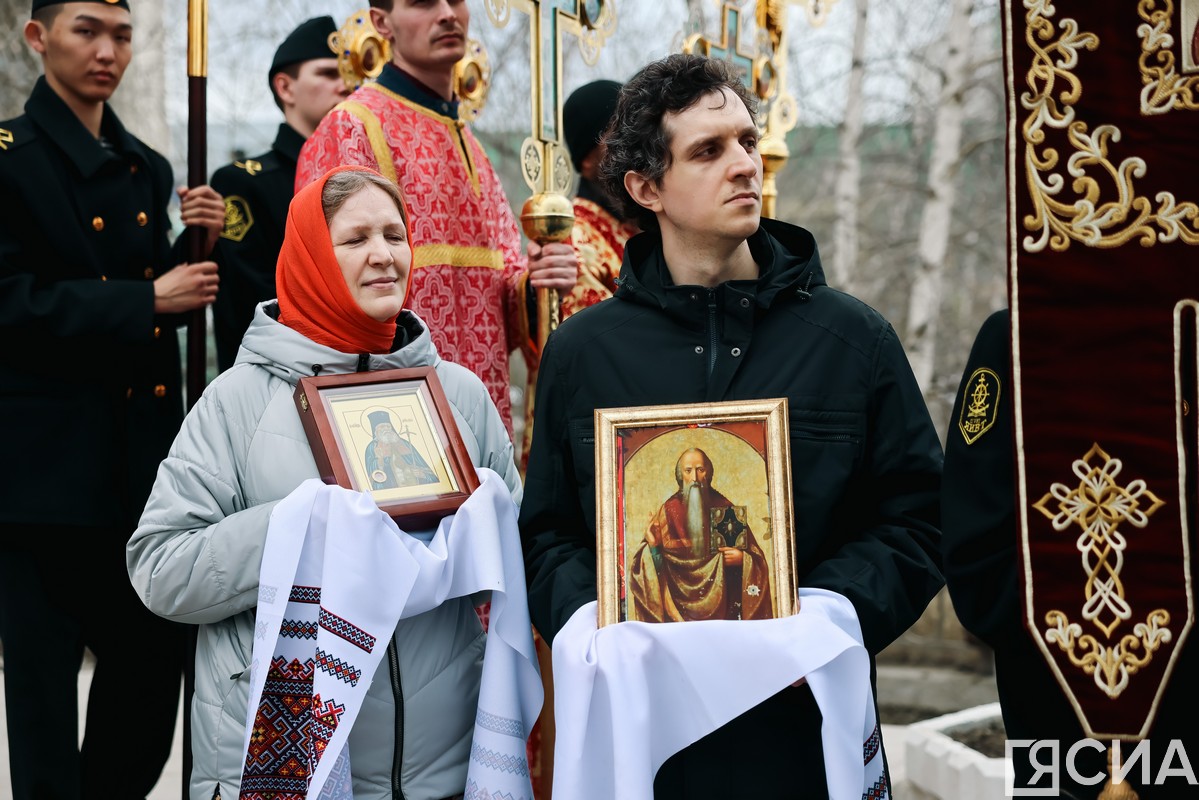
(308, 41)
(38, 5)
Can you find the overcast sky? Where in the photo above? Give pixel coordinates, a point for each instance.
(243, 36)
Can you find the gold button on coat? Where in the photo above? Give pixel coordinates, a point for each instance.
(160, 391)
(157, 331)
(142, 219)
(98, 223)
(149, 273)
(128, 393)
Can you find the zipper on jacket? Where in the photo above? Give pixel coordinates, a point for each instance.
(713, 338)
(397, 694)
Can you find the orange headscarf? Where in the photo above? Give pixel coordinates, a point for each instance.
(313, 297)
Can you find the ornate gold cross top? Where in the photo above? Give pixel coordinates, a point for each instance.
(548, 215)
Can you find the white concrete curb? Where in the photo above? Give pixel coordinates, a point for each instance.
(943, 768)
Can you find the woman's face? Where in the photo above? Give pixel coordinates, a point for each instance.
(370, 243)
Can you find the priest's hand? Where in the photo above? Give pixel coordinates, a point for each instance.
(203, 207)
(553, 266)
(733, 557)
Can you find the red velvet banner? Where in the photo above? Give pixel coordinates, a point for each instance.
(1103, 181)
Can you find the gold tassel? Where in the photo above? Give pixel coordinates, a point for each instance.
(1116, 791)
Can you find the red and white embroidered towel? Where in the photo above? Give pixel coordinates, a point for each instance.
(337, 575)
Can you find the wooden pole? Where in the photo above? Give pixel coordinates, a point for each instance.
(197, 175)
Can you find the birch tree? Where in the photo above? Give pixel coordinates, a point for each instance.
(937, 213)
(847, 189)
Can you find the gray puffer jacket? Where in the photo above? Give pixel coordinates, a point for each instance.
(196, 554)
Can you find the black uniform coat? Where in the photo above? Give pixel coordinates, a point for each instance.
(980, 542)
(90, 396)
(257, 193)
(865, 460)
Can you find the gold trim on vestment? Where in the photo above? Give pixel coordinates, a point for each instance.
(431, 255)
(456, 127)
(375, 135)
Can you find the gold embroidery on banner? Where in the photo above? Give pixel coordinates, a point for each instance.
(238, 218)
(429, 255)
(251, 166)
(375, 135)
(5, 138)
(1165, 90)
(1099, 506)
(1087, 219)
(980, 405)
(1112, 666)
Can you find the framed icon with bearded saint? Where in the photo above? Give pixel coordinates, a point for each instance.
(693, 512)
(391, 434)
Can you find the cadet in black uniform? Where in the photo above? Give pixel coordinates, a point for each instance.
(979, 542)
(306, 85)
(90, 401)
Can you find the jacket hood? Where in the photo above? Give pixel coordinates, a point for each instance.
(289, 355)
(786, 255)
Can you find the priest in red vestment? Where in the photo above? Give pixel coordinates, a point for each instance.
(471, 282)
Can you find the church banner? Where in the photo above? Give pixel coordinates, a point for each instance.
(1103, 224)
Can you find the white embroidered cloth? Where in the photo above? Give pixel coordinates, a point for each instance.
(620, 709)
(337, 575)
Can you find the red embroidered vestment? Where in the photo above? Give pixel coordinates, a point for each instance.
(468, 266)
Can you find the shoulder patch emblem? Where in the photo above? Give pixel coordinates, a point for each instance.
(5, 138)
(238, 218)
(251, 166)
(980, 404)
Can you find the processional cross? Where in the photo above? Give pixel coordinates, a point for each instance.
(548, 215)
(764, 72)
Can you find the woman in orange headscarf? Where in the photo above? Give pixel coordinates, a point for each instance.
(342, 279)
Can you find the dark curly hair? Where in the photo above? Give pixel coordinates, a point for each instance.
(636, 138)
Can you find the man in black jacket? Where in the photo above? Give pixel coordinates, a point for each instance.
(306, 84)
(90, 401)
(716, 304)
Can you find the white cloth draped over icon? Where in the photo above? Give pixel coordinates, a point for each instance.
(332, 555)
(620, 709)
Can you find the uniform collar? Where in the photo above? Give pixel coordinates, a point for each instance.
(59, 123)
(288, 142)
(397, 80)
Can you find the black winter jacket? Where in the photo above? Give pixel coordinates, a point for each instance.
(865, 458)
(865, 464)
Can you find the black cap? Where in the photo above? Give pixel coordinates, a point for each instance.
(585, 115)
(38, 5)
(310, 40)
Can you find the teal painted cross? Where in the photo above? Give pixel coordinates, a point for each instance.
(729, 47)
(548, 20)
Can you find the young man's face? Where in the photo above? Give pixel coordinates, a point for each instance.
(85, 50)
(714, 183)
(314, 91)
(425, 35)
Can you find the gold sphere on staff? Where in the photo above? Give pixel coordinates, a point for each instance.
(547, 217)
